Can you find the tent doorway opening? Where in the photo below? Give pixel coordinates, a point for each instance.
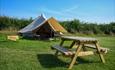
(45, 31)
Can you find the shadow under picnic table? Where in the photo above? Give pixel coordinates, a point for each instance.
(50, 61)
(86, 61)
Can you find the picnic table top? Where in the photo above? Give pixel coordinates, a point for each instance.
(78, 38)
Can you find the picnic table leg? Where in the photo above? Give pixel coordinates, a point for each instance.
(100, 55)
(84, 48)
(72, 44)
(60, 45)
(75, 56)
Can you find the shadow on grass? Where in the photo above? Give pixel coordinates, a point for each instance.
(85, 61)
(50, 61)
(3, 41)
(7, 41)
(38, 39)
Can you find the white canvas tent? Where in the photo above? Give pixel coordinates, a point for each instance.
(42, 27)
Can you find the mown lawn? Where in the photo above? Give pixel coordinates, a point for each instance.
(37, 55)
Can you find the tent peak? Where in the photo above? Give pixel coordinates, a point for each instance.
(42, 15)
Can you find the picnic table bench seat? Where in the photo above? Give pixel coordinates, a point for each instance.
(102, 49)
(68, 52)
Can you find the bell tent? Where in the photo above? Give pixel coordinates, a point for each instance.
(43, 28)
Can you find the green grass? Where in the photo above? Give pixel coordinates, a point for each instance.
(37, 55)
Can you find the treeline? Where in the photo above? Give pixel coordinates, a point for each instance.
(13, 23)
(73, 26)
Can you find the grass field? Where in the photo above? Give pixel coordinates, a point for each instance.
(37, 55)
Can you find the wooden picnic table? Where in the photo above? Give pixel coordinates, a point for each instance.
(80, 42)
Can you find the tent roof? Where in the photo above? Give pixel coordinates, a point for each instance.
(35, 24)
(55, 25)
(38, 22)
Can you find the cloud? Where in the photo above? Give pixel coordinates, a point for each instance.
(63, 13)
(74, 11)
(51, 11)
(70, 10)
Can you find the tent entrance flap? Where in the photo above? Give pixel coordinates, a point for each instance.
(45, 31)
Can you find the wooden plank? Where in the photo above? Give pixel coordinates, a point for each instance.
(62, 50)
(84, 48)
(79, 38)
(72, 52)
(62, 42)
(73, 43)
(13, 37)
(86, 53)
(100, 55)
(75, 56)
(101, 49)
